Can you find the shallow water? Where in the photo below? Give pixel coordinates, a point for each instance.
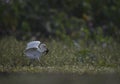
(58, 78)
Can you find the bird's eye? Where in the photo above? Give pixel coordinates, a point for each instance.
(44, 46)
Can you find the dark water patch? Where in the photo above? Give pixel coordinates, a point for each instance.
(58, 78)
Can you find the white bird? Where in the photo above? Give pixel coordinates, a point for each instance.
(35, 49)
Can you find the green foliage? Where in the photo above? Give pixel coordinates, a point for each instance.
(60, 54)
(86, 56)
(11, 52)
(61, 18)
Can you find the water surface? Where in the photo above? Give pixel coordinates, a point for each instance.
(58, 78)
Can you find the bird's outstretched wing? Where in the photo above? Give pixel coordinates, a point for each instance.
(33, 44)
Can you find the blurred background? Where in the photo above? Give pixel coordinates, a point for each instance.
(61, 19)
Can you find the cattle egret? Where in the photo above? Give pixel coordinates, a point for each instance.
(35, 49)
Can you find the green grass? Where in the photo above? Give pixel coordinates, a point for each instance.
(62, 57)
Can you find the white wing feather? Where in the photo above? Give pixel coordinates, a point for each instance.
(33, 44)
(32, 50)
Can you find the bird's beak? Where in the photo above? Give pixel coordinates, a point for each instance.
(47, 50)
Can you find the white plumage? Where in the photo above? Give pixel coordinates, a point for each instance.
(35, 49)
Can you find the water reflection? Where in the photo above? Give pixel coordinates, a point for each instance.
(58, 78)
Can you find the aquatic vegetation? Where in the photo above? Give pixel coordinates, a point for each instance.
(62, 57)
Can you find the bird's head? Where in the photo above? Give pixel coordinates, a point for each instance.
(43, 48)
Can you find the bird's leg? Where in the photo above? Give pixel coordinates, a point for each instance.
(39, 61)
(31, 62)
